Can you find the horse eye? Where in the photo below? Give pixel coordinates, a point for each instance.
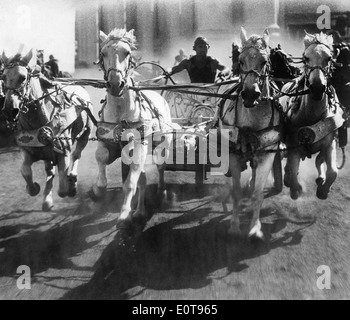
(21, 78)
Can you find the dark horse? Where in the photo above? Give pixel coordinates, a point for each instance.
(51, 126)
(281, 68)
(341, 74)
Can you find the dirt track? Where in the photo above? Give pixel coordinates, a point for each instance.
(183, 252)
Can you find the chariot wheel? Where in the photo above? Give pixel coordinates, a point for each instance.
(202, 112)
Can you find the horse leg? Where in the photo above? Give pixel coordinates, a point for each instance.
(262, 172)
(286, 178)
(161, 193)
(63, 166)
(319, 163)
(235, 169)
(139, 214)
(251, 183)
(99, 189)
(293, 162)
(50, 174)
(130, 186)
(331, 174)
(80, 145)
(33, 188)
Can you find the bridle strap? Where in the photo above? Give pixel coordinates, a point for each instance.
(260, 76)
(107, 72)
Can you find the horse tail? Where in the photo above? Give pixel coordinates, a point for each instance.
(343, 159)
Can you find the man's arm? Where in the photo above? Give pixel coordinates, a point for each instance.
(181, 66)
(224, 71)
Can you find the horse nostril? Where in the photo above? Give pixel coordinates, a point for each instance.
(317, 89)
(256, 95)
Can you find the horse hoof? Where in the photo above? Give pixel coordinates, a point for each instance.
(286, 182)
(62, 194)
(47, 206)
(72, 192)
(125, 231)
(256, 238)
(97, 194)
(72, 186)
(33, 191)
(321, 194)
(235, 234)
(319, 182)
(255, 234)
(295, 193)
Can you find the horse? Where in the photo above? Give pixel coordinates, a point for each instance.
(124, 109)
(313, 116)
(254, 125)
(51, 126)
(281, 69)
(341, 74)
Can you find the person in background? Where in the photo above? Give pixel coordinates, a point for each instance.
(40, 57)
(51, 67)
(201, 68)
(181, 56)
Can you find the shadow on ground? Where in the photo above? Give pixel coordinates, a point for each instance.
(180, 253)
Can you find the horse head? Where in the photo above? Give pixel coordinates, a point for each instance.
(281, 67)
(318, 61)
(115, 59)
(16, 77)
(254, 66)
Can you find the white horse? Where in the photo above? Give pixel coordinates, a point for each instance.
(142, 112)
(313, 117)
(255, 132)
(42, 116)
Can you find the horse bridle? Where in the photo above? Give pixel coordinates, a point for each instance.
(327, 71)
(22, 92)
(124, 74)
(262, 76)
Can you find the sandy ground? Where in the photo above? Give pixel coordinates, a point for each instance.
(183, 252)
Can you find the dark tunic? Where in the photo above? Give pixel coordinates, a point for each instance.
(203, 74)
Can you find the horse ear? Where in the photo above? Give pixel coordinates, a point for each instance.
(4, 58)
(20, 49)
(266, 36)
(26, 59)
(309, 34)
(243, 36)
(103, 36)
(131, 33)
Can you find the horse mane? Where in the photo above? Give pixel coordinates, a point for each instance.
(122, 34)
(318, 38)
(256, 42)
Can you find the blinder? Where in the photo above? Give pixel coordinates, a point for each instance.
(262, 76)
(22, 92)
